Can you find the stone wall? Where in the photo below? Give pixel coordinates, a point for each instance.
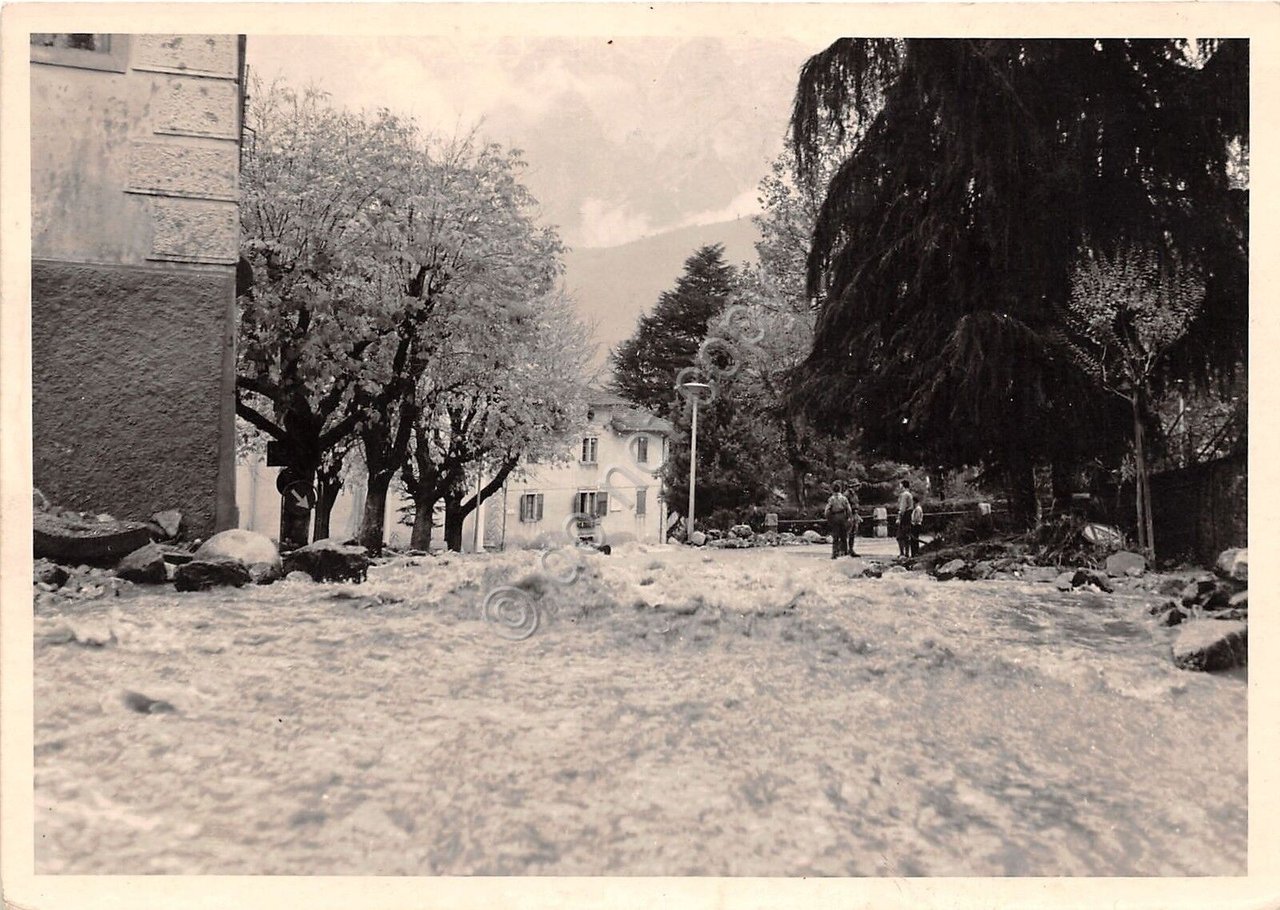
(127, 396)
(135, 235)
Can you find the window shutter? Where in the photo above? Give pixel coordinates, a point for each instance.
(538, 508)
(640, 500)
(602, 504)
(524, 511)
(642, 450)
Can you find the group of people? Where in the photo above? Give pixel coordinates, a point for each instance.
(843, 519)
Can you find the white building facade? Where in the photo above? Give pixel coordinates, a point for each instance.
(610, 474)
(609, 488)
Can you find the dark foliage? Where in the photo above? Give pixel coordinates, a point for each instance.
(980, 169)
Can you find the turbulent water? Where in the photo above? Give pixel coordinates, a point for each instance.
(675, 714)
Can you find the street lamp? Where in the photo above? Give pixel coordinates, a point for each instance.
(692, 391)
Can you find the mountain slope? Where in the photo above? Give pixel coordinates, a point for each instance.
(614, 286)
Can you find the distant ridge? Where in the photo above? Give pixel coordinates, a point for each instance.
(615, 285)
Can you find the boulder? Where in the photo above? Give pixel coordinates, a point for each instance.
(298, 577)
(76, 539)
(812, 536)
(169, 521)
(1219, 598)
(1197, 590)
(48, 573)
(1126, 563)
(247, 546)
(144, 565)
(983, 570)
(697, 539)
(211, 572)
(742, 532)
(1173, 616)
(719, 544)
(1234, 564)
(949, 570)
(1169, 587)
(1082, 577)
(1210, 645)
(1065, 581)
(1239, 600)
(265, 573)
(329, 560)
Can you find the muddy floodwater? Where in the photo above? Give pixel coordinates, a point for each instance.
(676, 713)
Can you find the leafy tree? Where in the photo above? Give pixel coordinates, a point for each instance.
(461, 247)
(313, 186)
(1127, 311)
(667, 339)
(944, 249)
(514, 396)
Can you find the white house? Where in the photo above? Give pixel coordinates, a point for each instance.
(610, 474)
(611, 482)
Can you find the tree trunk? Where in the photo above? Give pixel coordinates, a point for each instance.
(375, 512)
(423, 523)
(1142, 487)
(327, 488)
(453, 519)
(1022, 490)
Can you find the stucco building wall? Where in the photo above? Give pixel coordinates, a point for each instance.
(135, 170)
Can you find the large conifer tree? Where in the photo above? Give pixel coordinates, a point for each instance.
(980, 170)
(667, 339)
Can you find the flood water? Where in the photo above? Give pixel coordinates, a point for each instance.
(675, 714)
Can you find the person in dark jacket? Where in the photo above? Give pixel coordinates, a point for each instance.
(906, 504)
(837, 513)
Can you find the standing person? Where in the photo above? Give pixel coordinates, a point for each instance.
(837, 514)
(854, 518)
(906, 503)
(917, 525)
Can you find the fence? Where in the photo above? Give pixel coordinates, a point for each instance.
(1201, 510)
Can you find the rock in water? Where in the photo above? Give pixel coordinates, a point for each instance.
(1234, 564)
(144, 565)
(1212, 645)
(949, 570)
(136, 701)
(329, 560)
(1119, 564)
(247, 546)
(170, 522)
(211, 572)
(742, 532)
(52, 574)
(75, 540)
(1083, 577)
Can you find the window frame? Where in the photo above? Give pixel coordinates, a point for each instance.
(642, 450)
(642, 495)
(595, 450)
(531, 507)
(115, 59)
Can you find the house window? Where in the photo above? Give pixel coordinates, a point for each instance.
(531, 507)
(593, 503)
(590, 445)
(642, 450)
(94, 52)
(641, 495)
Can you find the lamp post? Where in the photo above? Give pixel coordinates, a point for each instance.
(693, 390)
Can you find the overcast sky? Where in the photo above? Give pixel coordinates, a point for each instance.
(624, 138)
